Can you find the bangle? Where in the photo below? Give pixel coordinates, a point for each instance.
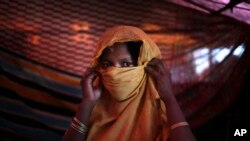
(178, 124)
(79, 126)
(80, 123)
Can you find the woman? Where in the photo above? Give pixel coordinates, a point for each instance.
(127, 93)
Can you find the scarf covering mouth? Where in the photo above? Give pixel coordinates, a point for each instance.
(130, 109)
(123, 83)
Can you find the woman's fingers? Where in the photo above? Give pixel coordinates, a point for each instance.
(164, 66)
(156, 67)
(91, 89)
(151, 70)
(92, 76)
(89, 76)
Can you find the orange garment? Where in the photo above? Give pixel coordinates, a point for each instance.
(131, 110)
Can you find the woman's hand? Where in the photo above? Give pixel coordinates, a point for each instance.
(91, 92)
(158, 70)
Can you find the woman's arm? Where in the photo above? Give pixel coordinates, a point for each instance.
(159, 71)
(90, 96)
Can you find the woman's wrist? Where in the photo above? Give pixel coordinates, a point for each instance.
(175, 114)
(84, 111)
(88, 103)
(168, 97)
(165, 91)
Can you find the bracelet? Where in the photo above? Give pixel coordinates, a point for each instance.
(178, 124)
(79, 126)
(80, 123)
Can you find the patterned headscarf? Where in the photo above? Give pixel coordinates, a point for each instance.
(140, 115)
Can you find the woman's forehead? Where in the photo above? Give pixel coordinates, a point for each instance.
(115, 47)
(116, 50)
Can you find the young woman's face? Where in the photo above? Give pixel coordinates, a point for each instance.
(117, 56)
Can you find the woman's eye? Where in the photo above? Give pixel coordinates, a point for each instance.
(106, 65)
(127, 64)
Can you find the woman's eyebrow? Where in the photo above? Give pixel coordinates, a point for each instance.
(126, 59)
(105, 60)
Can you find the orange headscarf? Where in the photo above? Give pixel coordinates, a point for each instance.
(139, 116)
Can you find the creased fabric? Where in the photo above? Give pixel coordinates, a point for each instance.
(136, 112)
(123, 83)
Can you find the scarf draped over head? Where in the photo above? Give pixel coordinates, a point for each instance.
(130, 108)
